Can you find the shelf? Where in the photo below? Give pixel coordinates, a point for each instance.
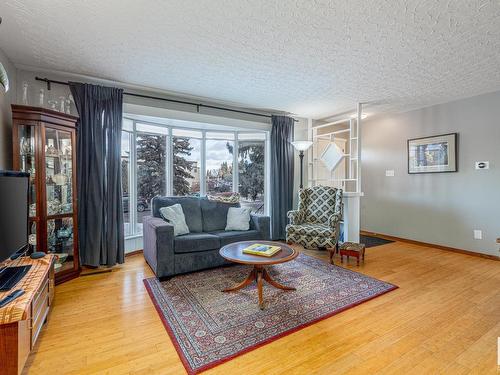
(340, 121)
(334, 179)
(66, 266)
(331, 133)
(64, 157)
(59, 216)
(317, 159)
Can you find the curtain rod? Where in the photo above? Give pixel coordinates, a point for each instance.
(197, 105)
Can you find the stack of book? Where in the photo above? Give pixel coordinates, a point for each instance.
(262, 250)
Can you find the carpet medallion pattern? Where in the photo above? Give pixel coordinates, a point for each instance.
(209, 327)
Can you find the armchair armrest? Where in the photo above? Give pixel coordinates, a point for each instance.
(158, 238)
(335, 219)
(295, 216)
(262, 224)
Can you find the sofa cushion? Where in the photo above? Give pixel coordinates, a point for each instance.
(190, 207)
(175, 216)
(214, 214)
(194, 242)
(237, 235)
(238, 218)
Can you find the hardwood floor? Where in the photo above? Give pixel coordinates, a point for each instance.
(443, 319)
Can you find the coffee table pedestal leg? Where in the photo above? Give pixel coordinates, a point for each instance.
(259, 273)
(250, 278)
(259, 288)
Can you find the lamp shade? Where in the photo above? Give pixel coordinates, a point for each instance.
(302, 145)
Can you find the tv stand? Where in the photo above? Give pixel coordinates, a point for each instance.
(10, 276)
(22, 320)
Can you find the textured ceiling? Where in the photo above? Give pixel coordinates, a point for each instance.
(311, 58)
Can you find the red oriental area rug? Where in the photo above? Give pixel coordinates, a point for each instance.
(209, 327)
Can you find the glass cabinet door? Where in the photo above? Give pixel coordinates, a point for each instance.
(60, 241)
(59, 196)
(27, 162)
(58, 172)
(32, 236)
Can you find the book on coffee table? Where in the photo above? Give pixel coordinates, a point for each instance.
(262, 250)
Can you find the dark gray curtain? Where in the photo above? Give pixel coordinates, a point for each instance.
(281, 174)
(100, 212)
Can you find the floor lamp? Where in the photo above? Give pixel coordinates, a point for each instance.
(301, 146)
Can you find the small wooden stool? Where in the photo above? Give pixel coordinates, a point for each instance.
(352, 249)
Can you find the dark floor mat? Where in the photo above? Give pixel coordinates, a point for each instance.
(370, 241)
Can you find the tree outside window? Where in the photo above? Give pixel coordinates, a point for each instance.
(186, 159)
(219, 164)
(251, 173)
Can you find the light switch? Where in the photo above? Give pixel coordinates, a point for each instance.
(389, 173)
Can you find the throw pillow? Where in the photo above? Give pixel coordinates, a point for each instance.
(229, 197)
(238, 218)
(175, 216)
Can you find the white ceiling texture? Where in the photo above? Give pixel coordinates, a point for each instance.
(312, 58)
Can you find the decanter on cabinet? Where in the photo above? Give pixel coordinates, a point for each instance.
(44, 144)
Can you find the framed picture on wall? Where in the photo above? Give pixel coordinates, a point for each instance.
(436, 154)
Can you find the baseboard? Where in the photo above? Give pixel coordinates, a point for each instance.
(426, 244)
(135, 252)
(89, 271)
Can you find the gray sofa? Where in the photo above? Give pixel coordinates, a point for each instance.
(169, 255)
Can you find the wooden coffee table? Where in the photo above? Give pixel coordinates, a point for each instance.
(234, 253)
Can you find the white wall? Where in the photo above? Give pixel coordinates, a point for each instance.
(440, 208)
(6, 99)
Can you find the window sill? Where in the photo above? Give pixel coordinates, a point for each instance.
(133, 237)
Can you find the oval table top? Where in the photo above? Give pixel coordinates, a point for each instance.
(234, 253)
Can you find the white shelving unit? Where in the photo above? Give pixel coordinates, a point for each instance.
(345, 133)
(345, 176)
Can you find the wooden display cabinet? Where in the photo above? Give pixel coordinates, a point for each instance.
(44, 145)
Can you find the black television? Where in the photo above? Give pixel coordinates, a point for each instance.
(14, 208)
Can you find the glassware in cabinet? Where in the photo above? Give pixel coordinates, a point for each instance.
(44, 146)
(27, 162)
(58, 172)
(60, 241)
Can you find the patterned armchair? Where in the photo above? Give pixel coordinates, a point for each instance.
(317, 221)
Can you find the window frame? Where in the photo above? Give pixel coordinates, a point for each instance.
(135, 233)
(130, 184)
